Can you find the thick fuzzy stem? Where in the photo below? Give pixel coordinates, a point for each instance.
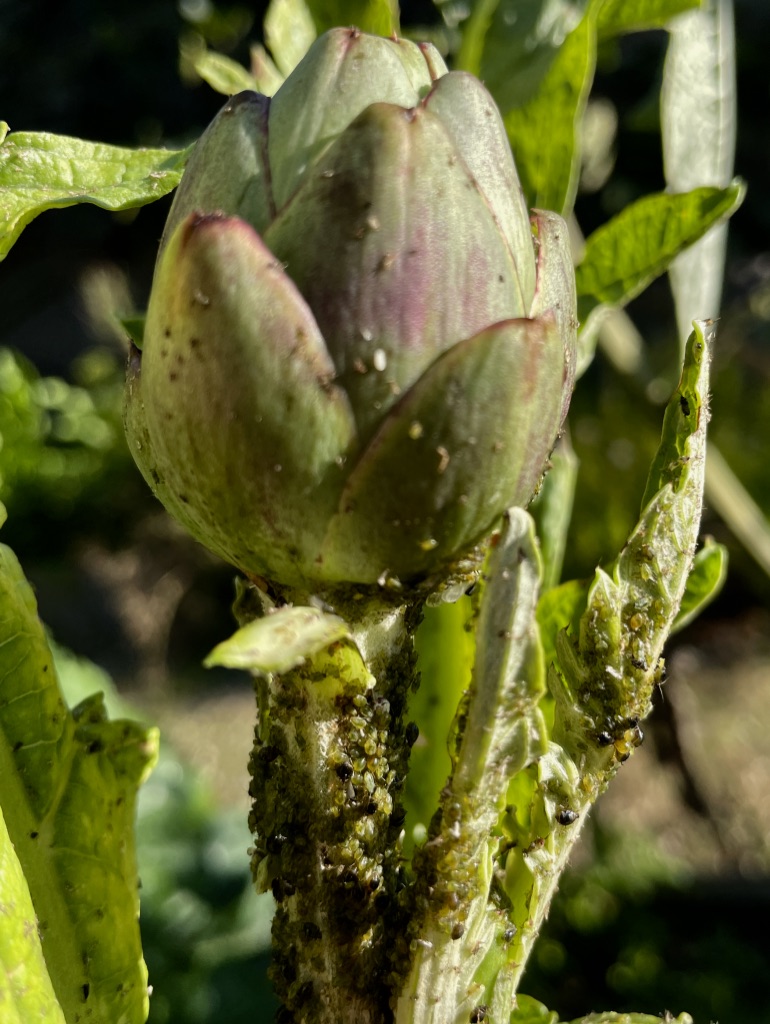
(328, 763)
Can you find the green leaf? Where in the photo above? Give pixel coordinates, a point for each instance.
(698, 114)
(380, 17)
(560, 608)
(622, 257)
(611, 670)
(223, 74)
(26, 992)
(619, 16)
(530, 1011)
(706, 579)
(68, 785)
(279, 642)
(683, 437)
(289, 32)
(611, 1017)
(39, 171)
(552, 509)
(134, 327)
(510, 44)
(444, 644)
(498, 730)
(544, 131)
(267, 76)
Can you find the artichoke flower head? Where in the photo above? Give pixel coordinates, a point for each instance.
(359, 348)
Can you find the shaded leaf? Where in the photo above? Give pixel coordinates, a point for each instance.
(552, 509)
(68, 785)
(39, 172)
(500, 722)
(134, 327)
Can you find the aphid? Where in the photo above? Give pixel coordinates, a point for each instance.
(630, 738)
(479, 1014)
(274, 843)
(398, 817)
(567, 816)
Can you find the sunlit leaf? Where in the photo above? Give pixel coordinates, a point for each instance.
(619, 16)
(544, 132)
(623, 256)
(267, 76)
(223, 74)
(510, 44)
(612, 1017)
(279, 642)
(39, 171)
(612, 666)
(289, 32)
(560, 608)
(26, 992)
(68, 785)
(706, 579)
(530, 1011)
(698, 114)
(445, 645)
(380, 17)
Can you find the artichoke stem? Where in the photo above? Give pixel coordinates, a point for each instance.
(328, 763)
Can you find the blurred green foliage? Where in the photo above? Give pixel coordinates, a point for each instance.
(633, 929)
(59, 439)
(206, 936)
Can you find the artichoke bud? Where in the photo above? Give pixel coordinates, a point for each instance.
(359, 347)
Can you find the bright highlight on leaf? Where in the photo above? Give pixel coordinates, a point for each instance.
(223, 74)
(40, 171)
(279, 642)
(544, 131)
(619, 16)
(26, 993)
(625, 255)
(68, 784)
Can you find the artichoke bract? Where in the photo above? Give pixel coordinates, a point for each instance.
(359, 347)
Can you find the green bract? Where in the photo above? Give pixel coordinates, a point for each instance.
(359, 350)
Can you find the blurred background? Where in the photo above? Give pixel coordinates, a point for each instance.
(666, 903)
